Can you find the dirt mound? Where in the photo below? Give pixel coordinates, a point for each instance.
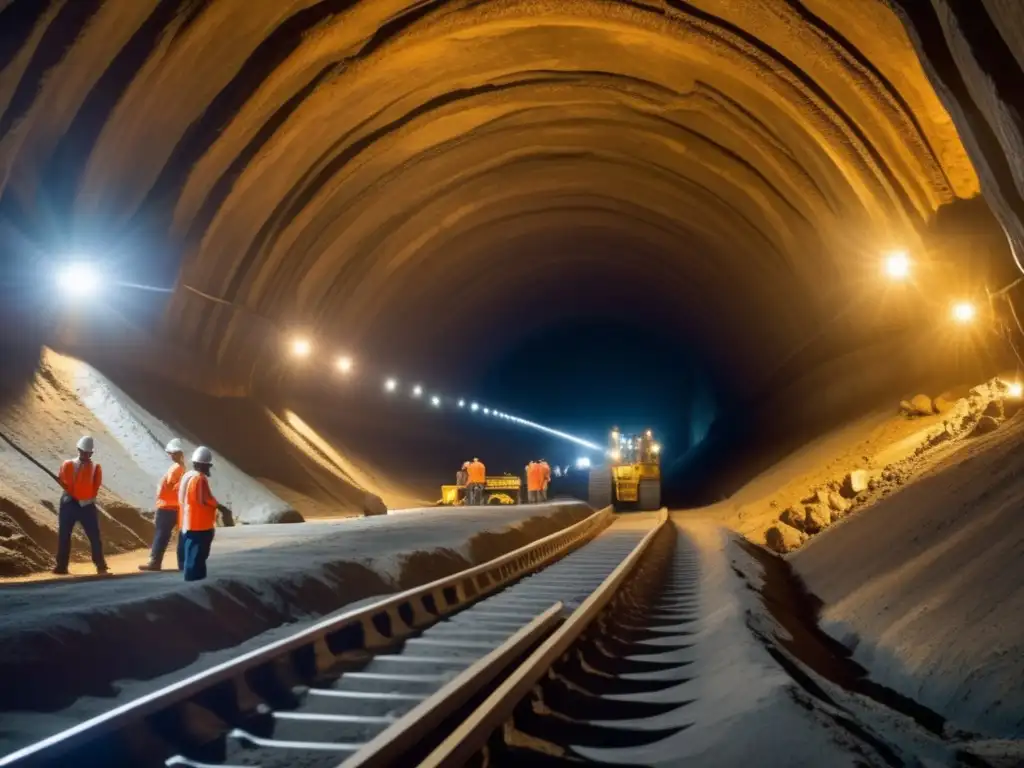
(44, 415)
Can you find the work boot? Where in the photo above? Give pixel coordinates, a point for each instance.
(59, 571)
(149, 567)
(104, 571)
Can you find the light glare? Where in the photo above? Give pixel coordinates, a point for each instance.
(964, 312)
(390, 385)
(435, 401)
(417, 391)
(344, 364)
(474, 407)
(301, 347)
(583, 462)
(462, 403)
(1016, 389)
(897, 265)
(78, 280)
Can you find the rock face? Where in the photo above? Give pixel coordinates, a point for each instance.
(783, 538)
(918, 405)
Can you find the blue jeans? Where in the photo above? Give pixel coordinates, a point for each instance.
(197, 550)
(164, 524)
(68, 515)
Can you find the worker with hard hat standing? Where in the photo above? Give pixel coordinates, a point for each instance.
(477, 476)
(167, 509)
(198, 514)
(81, 479)
(462, 479)
(534, 482)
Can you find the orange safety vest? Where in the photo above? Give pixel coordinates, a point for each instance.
(81, 480)
(477, 472)
(546, 472)
(534, 477)
(198, 508)
(167, 491)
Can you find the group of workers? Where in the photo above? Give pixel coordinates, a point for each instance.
(538, 477)
(183, 501)
(473, 477)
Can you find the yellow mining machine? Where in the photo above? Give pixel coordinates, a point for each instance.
(632, 477)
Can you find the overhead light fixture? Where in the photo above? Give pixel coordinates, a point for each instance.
(344, 364)
(474, 407)
(462, 403)
(583, 462)
(79, 280)
(897, 265)
(301, 347)
(390, 385)
(435, 401)
(964, 312)
(1015, 389)
(487, 411)
(417, 391)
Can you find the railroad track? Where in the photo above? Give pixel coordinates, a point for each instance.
(425, 677)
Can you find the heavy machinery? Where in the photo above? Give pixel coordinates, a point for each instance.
(632, 477)
(503, 489)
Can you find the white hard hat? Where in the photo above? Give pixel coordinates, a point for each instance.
(85, 444)
(174, 446)
(202, 455)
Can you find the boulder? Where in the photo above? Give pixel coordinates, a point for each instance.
(817, 517)
(985, 425)
(783, 538)
(838, 503)
(373, 505)
(922, 405)
(942, 405)
(793, 518)
(994, 409)
(855, 482)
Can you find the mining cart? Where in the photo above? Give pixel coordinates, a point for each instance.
(631, 478)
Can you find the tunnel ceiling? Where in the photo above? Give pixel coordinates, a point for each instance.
(402, 172)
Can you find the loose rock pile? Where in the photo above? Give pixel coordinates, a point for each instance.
(980, 412)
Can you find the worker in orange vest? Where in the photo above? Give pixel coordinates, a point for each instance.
(546, 476)
(167, 509)
(477, 479)
(534, 481)
(198, 514)
(81, 479)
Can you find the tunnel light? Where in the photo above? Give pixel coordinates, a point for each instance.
(344, 364)
(964, 312)
(615, 455)
(583, 462)
(462, 403)
(1015, 389)
(897, 265)
(79, 280)
(655, 449)
(474, 407)
(649, 433)
(390, 385)
(487, 411)
(435, 401)
(301, 347)
(417, 391)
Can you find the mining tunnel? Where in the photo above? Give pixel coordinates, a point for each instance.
(584, 212)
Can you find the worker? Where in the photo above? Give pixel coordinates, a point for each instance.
(546, 477)
(167, 509)
(462, 480)
(80, 479)
(534, 482)
(477, 477)
(198, 514)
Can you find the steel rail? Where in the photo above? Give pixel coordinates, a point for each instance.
(371, 627)
(471, 736)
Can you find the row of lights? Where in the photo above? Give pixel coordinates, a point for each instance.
(302, 347)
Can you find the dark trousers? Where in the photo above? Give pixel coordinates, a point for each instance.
(197, 550)
(67, 516)
(164, 524)
(476, 493)
(534, 496)
(181, 551)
